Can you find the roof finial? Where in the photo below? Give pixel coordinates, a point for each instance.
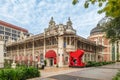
(69, 19)
(52, 23)
(69, 23)
(52, 18)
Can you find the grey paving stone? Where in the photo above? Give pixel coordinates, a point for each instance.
(69, 77)
(106, 72)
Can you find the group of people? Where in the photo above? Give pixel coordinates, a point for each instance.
(42, 64)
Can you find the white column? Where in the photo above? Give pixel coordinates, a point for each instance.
(18, 53)
(44, 48)
(24, 50)
(33, 50)
(11, 53)
(1, 53)
(60, 50)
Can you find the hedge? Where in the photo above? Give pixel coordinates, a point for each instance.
(21, 73)
(95, 64)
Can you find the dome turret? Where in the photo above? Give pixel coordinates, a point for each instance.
(51, 23)
(98, 28)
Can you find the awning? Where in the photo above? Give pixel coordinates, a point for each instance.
(50, 54)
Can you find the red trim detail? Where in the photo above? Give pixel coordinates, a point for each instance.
(12, 26)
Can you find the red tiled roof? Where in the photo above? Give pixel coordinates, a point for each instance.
(12, 26)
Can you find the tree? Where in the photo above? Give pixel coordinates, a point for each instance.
(112, 29)
(111, 8)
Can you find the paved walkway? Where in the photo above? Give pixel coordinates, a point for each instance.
(52, 71)
(92, 73)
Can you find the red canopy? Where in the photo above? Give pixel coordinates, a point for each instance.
(50, 54)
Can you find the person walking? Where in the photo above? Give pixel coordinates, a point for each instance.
(42, 64)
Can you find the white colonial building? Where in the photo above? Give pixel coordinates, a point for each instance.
(53, 45)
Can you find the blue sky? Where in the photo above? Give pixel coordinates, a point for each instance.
(34, 15)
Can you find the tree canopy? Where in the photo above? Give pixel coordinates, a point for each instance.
(111, 8)
(112, 30)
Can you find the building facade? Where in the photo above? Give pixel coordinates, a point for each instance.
(109, 53)
(53, 45)
(9, 30)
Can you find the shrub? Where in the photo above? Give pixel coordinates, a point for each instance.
(7, 64)
(117, 77)
(95, 64)
(21, 73)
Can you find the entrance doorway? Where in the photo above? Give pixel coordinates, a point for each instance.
(51, 57)
(51, 61)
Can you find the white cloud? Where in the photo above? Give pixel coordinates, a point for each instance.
(34, 15)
